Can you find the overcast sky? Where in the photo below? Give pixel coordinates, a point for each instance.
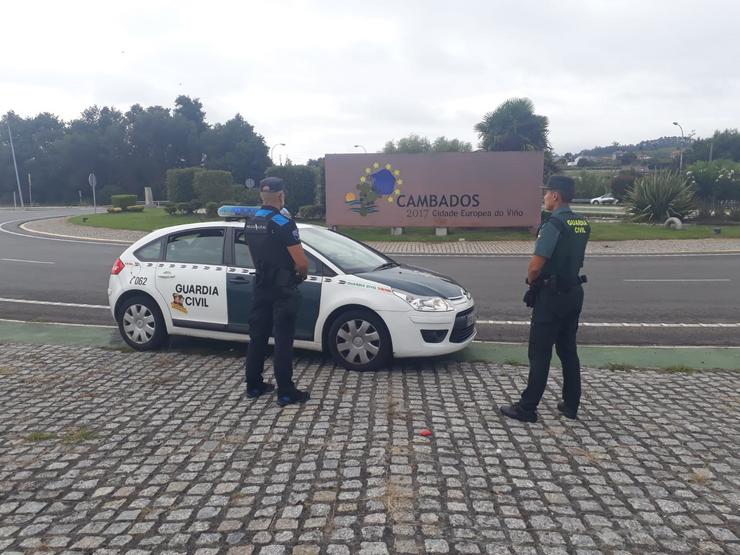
(323, 76)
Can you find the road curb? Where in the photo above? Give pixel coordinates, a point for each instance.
(678, 358)
(76, 237)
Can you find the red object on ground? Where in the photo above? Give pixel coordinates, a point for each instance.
(425, 432)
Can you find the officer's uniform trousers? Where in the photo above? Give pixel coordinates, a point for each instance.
(274, 309)
(554, 322)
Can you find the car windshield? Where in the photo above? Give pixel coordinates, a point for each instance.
(347, 254)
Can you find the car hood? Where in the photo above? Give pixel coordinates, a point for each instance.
(416, 281)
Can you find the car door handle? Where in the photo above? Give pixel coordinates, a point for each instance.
(239, 279)
(166, 275)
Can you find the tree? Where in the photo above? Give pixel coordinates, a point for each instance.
(235, 147)
(628, 158)
(515, 126)
(724, 145)
(192, 110)
(414, 144)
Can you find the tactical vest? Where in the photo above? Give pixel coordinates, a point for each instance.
(567, 258)
(269, 254)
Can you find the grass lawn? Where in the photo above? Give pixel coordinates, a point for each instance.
(155, 218)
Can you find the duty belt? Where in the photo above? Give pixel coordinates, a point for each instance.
(561, 283)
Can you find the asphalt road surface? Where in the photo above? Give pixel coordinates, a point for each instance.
(632, 300)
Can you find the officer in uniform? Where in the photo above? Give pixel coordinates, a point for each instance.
(282, 265)
(556, 296)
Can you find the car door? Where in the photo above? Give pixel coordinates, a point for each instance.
(192, 278)
(240, 282)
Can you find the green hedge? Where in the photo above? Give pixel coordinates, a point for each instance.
(179, 183)
(213, 186)
(311, 212)
(300, 184)
(123, 201)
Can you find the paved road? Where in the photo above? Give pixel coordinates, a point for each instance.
(621, 289)
(114, 452)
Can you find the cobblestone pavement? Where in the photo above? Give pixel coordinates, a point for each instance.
(704, 246)
(103, 451)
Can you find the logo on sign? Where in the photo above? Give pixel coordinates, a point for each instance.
(377, 184)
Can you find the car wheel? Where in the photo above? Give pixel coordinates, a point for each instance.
(359, 340)
(596, 202)
(141, 324)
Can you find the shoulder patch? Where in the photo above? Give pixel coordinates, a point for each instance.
(280, 220)
(296, 235)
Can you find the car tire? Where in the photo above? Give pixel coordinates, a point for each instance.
(141, 324)
(359, 341)
(595, 202)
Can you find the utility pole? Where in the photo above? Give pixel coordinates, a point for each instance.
(30, 196)
(15, 165)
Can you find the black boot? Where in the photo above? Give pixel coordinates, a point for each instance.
(565, 411)
(518, 413)
(293, 397)
(256, 390)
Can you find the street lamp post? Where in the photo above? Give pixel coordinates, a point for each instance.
(362, 147)
(273, 148)
(680, 155)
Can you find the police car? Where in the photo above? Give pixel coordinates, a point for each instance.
(357, 304)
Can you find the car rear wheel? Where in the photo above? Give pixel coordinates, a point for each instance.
(596, 202)
(141, 324)
(359, 340)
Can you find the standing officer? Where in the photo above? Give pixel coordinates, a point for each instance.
(556, 295)
(282, 265)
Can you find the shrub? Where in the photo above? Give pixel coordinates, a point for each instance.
(212, 209)
(136, 208)
(311, 212)
(213, 186)
(194, 205)
(622, 183)
(183, 208)
(245, 197)
(170, 209)
(114, 210)
(659, 196)
(104, 194)
(300, 184)
(590, 185)
(123, 201)
(179, 183)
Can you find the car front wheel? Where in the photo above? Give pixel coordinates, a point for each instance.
(141, 324)
(359, 340)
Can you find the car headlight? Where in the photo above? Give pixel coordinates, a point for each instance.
(424, 304)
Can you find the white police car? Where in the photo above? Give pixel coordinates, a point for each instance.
(361, 306)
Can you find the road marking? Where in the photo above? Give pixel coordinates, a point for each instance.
(6, 320)
(29, 261)
(618, 324)
(51, 303)
(29, 236)
(677, 280)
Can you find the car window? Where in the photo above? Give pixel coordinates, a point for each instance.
(201, 246)
(349, 255)
(149, 252)
(242, 256)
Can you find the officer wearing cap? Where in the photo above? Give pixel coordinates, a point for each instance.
(282, 265)
(556, 296)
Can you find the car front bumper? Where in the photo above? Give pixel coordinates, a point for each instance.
(444, 332)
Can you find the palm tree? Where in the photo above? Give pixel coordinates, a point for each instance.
(515, 126)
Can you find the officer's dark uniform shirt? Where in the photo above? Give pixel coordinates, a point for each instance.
(268, 235)
(563, 245)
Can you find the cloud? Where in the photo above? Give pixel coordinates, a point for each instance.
(325, 76)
